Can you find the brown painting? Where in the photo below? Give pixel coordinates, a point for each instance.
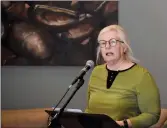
(53, 33)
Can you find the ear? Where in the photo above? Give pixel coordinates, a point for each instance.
(125, 49)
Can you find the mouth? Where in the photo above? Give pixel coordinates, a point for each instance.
(109, 54)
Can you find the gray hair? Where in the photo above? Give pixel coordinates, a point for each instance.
(123, 37)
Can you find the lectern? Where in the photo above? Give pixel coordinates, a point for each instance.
(84, 120)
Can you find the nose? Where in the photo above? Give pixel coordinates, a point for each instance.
(107, 45)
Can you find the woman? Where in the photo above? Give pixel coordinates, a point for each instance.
(121, 88)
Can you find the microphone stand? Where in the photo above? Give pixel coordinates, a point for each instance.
(54, 123)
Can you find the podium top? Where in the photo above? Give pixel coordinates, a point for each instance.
(85, 120)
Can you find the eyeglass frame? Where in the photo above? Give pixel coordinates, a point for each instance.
(110, 44)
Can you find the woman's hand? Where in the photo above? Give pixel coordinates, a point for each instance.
(120, 123)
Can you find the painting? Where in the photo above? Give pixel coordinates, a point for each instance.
(53, 33)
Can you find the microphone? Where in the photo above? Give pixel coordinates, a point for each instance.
(89, 65)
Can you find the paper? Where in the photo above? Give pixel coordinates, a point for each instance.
(69, 110)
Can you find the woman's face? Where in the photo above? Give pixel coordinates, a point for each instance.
(111, 47)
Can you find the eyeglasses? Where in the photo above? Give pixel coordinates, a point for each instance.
(112, 42)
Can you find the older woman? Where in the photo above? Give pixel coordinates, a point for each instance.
(120, 87)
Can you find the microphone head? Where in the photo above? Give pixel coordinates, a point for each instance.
(90, 63)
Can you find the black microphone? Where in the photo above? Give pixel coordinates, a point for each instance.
(89, 65)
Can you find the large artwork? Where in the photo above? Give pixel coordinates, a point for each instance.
(53, 32)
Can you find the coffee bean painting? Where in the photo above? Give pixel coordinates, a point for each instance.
(52, 33)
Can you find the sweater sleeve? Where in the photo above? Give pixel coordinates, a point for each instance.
(87, 105)
(88, 93)
(148, 101)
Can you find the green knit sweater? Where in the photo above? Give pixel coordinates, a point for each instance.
(133, 95)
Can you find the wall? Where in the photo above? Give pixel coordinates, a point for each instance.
(33, 87)
(146, 25)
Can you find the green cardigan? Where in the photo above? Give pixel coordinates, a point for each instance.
(133, 95)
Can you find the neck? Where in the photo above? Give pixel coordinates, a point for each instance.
(115, 65)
